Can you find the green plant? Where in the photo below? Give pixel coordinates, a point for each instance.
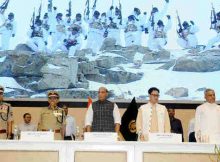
(217, 154)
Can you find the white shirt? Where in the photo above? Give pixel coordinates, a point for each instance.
(191, 127)
(207, 120)
(89, 115)
(27, 127)
(70, 125)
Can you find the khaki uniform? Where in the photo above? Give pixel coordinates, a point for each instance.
(6, 115)
(52, 120)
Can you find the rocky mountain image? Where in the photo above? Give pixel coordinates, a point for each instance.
(126, 71)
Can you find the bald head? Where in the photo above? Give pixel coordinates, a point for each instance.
(209, 95)
(103, 88)
(102, 93)
(208, 90)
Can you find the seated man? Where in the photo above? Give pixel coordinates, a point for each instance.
(70, 130)
(176, 125)
(103, 115)
(27, 125)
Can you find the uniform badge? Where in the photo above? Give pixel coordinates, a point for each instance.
(56, 113)
(3, 109)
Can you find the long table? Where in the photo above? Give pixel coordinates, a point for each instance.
(81, 151)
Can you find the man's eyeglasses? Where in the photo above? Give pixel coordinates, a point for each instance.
(155, 95)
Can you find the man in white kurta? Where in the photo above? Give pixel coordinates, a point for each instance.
(152, 117)
(27, 125)
(207, 118)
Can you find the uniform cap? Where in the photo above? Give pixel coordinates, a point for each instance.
(53, 94)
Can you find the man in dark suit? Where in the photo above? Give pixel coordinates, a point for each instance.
(175, 124)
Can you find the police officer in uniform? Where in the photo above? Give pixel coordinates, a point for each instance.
(6, 117)
(53, 117)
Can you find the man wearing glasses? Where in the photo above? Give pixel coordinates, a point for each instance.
(152, 117)
(53, 117)
(6, 117)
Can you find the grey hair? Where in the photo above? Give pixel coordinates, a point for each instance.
(104, 88)
(207, 90)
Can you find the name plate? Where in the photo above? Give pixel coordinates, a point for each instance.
(37, 136)
(165, 138)
(100, 136)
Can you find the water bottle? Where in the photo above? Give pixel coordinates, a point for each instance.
(139, 136)
(77, 134)
(16, 133)
(199, 136)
